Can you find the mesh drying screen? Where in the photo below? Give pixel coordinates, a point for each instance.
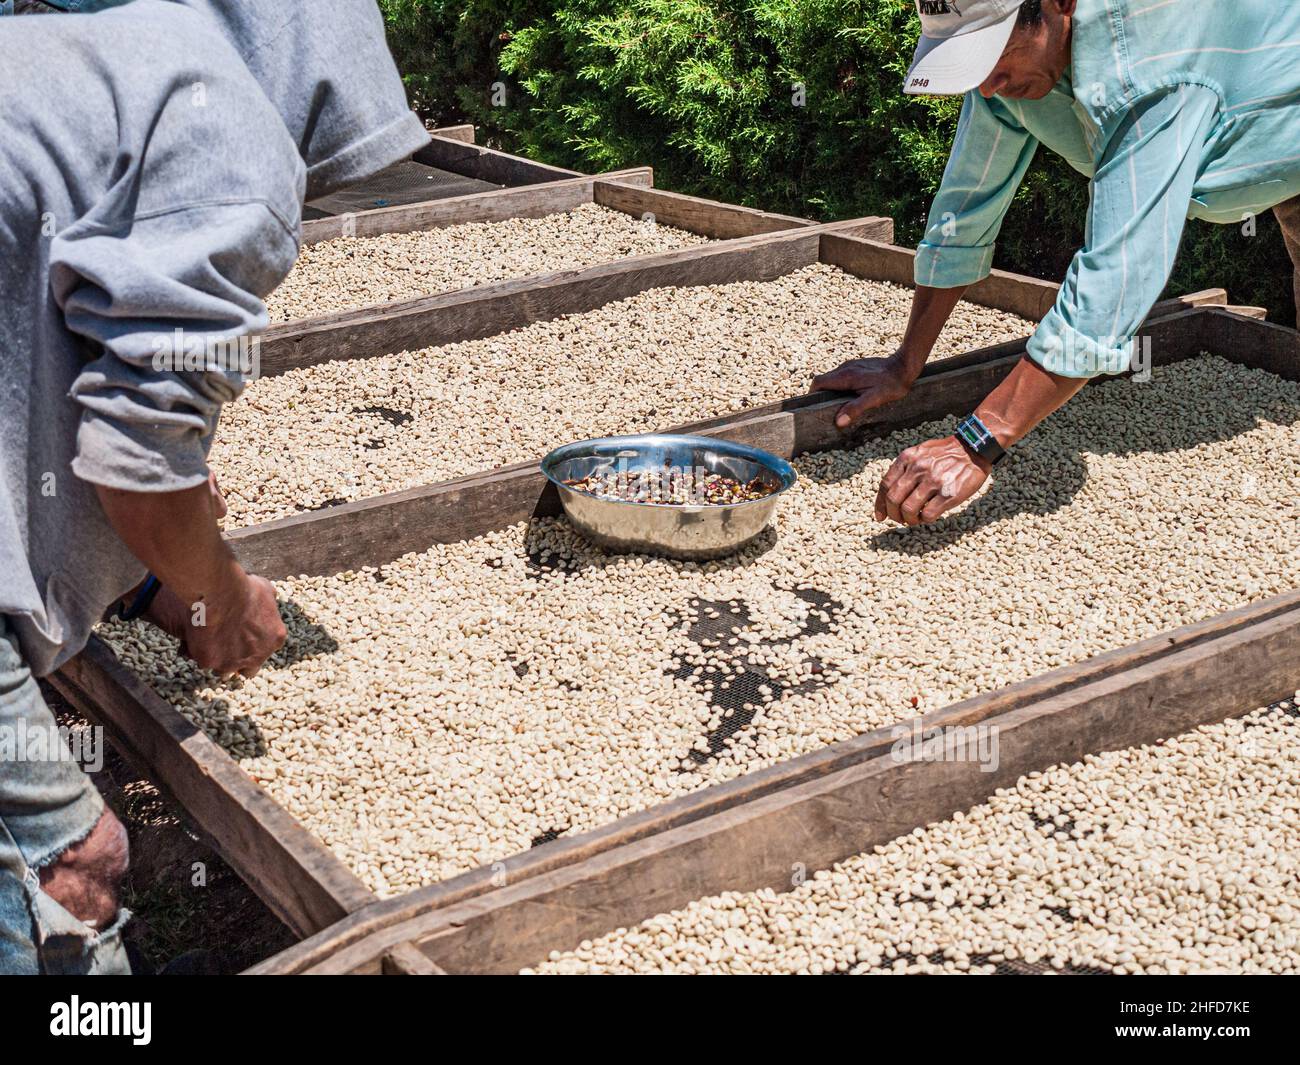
(407, 182)
(737, 683)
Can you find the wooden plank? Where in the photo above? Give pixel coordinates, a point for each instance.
(486, 310)
(379, 529)
(1253, 343)
(1205, 298)
(405, 182)
(1173, 337)
(1026, 296)
(525, 201)
(406, 959)
(293, 872)
(1029, 297)
(709, 218)
(821, 808)
(487, 164)
(464, 134)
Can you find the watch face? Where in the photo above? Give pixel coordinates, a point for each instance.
(975, 435)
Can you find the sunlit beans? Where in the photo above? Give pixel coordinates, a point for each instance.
(347, 430)
(1179, 857)
(449, 709)
(352, 272)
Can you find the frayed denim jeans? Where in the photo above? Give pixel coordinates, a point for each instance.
(46, 804)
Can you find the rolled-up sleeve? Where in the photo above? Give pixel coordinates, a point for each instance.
(165, 303)
(989, 157)
(1140, 196)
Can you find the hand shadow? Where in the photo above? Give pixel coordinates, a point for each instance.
(237, 732)
(1154, 424)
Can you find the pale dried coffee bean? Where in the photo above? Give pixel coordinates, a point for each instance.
(348, 273)
(347, 430)
(452, 707)
(1178, 857)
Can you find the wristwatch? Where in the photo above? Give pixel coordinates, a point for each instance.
(143, 599)
(975, 435)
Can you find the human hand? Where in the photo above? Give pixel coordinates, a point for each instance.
(232, 631)
(929, 479)
(877, 382)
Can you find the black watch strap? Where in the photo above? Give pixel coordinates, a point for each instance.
(979, 441)
(143, 599)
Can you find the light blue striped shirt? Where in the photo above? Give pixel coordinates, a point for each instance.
(1174, 109)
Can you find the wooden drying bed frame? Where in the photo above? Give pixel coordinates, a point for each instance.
(632, 193)
(312, 890)
(450, 150)
(860, 246)
(817, 809)
(302, 544)
(384, 327)
(486, 310)
(532, 190)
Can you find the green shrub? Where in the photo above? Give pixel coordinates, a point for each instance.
(790, 105)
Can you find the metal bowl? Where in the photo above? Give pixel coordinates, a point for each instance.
(677, 530)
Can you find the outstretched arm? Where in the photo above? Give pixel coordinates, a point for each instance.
(1139, 206)
(881, 381)
(990, 154)
(935, 476)
(226, 620)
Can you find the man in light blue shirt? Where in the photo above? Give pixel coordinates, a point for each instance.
(1172, 108)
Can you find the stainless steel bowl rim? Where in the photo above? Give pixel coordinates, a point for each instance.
(583, 448)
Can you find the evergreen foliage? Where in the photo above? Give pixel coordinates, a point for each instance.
(789, 105)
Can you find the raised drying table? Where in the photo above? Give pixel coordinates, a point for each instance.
(450, 165)
(310, 888)
(819, 808)
(298, 876)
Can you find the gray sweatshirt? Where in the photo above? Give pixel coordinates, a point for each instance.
(150, 196)
(326, 67)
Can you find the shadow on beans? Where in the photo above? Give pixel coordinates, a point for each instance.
(1047, 469)
(180, 681)
(569, 553)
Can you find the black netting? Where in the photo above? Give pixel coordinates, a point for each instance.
(549, 836)
(734, 681)
(391, 415)
(1054, 825)
(407, 182)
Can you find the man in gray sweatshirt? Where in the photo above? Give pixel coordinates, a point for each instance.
(152, 174)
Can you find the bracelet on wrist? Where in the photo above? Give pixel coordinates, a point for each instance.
(976, 437)
(143, 598)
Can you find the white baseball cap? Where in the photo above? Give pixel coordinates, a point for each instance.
(961, 42)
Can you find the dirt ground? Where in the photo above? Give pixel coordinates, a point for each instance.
(192, 912)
